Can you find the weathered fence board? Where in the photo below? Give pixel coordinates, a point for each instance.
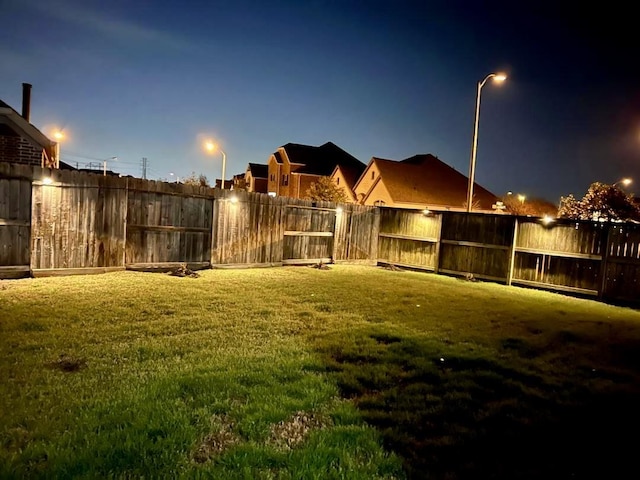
(248, 229)
(308, 231)
(78, 222)
(622, 263)
(562, 255)
(167, 223)
(363, 231)
(15, 222)
(476, 244)
(409, 238)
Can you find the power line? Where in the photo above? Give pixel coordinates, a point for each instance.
(85, 157)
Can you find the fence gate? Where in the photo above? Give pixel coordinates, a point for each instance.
(308, 232)
(15, 226)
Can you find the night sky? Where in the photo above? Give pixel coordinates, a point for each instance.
(389, 79)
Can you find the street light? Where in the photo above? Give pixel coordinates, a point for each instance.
(104, 164)
(211, 147)
(59, 136)
(624, 181)
(498, 78)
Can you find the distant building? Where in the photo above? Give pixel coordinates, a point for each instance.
(421, 181)
(228, 184)
(256, 177)
(293, 167)
(20, 141)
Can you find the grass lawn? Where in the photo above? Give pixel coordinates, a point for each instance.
(296, 372)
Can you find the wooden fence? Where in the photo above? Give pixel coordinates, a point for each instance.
(65, 222)
(591, 258)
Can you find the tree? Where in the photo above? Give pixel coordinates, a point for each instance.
(536, 207)
(326, 191)
(601, 202)
(197, 180)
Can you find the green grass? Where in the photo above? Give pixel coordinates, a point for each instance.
(289, 373)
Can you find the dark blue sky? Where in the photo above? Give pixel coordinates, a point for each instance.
(379, 78)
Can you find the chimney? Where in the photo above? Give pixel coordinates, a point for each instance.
(26, 101)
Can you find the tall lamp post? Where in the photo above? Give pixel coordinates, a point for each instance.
(211, 147)
(498, 78)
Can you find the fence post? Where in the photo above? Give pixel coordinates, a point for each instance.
(126, 220)
(436, 263)
(603, 263)
(513, 251)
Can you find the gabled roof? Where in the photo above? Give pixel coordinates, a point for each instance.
(258, 170)
(424, 179)
(22, 127)
(351, 173)
(320, 160)
(278, 157)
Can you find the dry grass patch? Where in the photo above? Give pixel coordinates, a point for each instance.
(218, 442)
(289, 433)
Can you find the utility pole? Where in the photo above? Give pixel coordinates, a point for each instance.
(144, 168)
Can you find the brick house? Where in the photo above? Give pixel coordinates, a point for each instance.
(421, 181)
(294, 167)
(256, 176)
(20, 141)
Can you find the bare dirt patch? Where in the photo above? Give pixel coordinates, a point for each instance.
(68, 364)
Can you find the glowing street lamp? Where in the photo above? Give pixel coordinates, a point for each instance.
(497, 78)
(211, 147)
(521, 197)
(624, 181)
(59, 136)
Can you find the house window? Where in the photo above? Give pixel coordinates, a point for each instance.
(373, 175)
(337, 181)
(285, 180)
(379, 203)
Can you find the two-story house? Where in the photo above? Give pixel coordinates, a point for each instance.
(293, 167)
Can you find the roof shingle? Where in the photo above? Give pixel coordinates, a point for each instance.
(320, 160)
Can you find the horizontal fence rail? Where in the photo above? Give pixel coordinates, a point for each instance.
(55, 222)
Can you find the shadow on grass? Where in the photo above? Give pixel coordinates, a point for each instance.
(458, 414)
